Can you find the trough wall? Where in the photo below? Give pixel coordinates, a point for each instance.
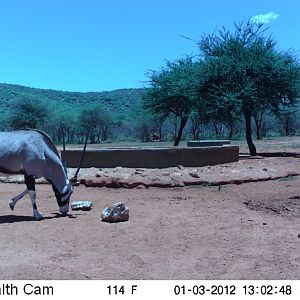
(153, 157)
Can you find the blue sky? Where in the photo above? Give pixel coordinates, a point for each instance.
(97, 45)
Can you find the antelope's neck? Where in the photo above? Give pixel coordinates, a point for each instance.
(57, 176)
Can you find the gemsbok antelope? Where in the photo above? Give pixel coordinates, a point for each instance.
(33, 153)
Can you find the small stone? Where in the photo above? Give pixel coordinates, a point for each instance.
(265, 169)
(180, 167)
(99, 174)
(299, 236)
(117, 212)
(165, 174)
(177, 174)
(264, 223)
(141, 187)
(117, 169)
(194, 174)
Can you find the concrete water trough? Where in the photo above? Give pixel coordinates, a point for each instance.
(153, 157)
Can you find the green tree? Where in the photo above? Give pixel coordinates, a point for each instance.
(244, 73)
(62, 119)
(94, 120)
(28, 113)
(172, 92)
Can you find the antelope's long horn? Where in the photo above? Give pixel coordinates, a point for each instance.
(64, 159)
(74, 178)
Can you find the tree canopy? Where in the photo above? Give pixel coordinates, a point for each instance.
(239, 73)
(28, 113)
(172, 91)
(246, 73)
(95, 121)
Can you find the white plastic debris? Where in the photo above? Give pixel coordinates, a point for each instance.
(81, 205)
(117, 212)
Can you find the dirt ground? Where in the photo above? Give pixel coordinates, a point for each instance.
(231, 231)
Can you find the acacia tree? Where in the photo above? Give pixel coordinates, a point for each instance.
(94, 120)
(172, 93)
(245, 73)
(28, 113)
(287, 121)
(62, 121)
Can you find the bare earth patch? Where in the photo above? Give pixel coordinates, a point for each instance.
(246, 230)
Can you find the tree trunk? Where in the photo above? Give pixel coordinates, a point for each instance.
(160, 122)
(287, 126)
(193, 132)
(230, 132)
(98, 138)
(251, 146)
(215, 124)
(196, 131)
(160, 132)
(195, 126)
(175, 127)
(183, 121)
(104, 132)
(72, 135)
(258, 123)
(257, 126)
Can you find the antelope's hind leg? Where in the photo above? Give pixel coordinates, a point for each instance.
(14, 200)
(30, 183)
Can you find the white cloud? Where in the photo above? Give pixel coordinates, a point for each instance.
(265, 18)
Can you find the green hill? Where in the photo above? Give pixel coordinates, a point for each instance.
(120, 103)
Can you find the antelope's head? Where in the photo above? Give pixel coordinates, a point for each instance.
(63, 199)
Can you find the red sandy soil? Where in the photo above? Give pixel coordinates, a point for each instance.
(230, 231)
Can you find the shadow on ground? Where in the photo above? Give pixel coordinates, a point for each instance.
(16, 219)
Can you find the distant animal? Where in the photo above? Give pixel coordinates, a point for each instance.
(33, 153)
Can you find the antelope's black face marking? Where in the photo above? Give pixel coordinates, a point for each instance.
(63, 199)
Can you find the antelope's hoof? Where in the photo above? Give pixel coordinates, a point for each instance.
(39, 217)
(11, 206)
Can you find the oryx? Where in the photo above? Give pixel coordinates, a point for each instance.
(33, 153)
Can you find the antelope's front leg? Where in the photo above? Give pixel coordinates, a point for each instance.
(30, 183)
(37, 215)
